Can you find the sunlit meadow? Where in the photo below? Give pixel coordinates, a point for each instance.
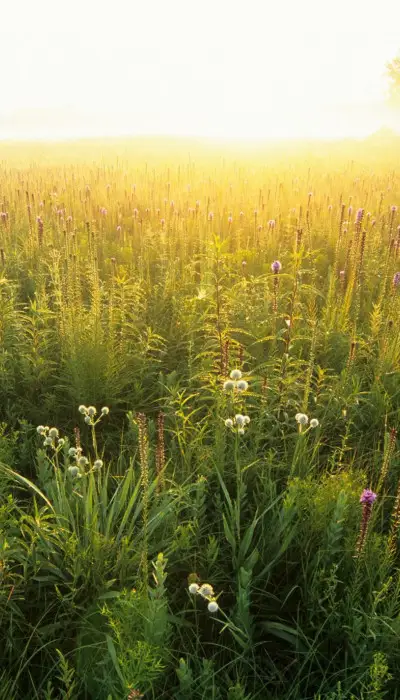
(200, 396)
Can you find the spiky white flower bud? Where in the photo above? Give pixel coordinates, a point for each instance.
(82, 461)
(61, 442)
(240, 431)
(82, 409)
(229, 423)
(246, 420)
(314, 423)
(92, 410)
(41, 430)
(301, 418)
(239, 420)
(194, 588)
(242, 385)
(88, 420)
(105, 411)
(73, 471)
(212, 606)
(98, 464)
(72, 452)
(229, 385)
(48, 441)
(206, 590)
(236, 374)
(53, 432)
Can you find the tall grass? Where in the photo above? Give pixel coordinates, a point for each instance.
(204, 537)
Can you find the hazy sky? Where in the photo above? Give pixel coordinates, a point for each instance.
(213, 68)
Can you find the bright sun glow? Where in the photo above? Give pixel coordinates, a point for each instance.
(213, 68)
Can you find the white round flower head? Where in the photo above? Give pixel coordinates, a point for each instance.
(61, 442)
(194, 588)
(314, 423)
(239, 420)
(82, 461)
(105, 411)
(53, 432)
(301, 418)
(242, 385)
(98, 464)
(48, 441)
(82, 409)
(235, 374)
(212, 606)
(72, 452)
(206, 590)
(240, 431)
(40, 430)
(246, 420)
(229, 423)
(229, 385)
(73, 471)
(88, 420)
(92, 410)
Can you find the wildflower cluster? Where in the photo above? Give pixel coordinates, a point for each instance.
(90, 413)
(206, 591)
(237, 423)
(236, 382)
(302, 420)
(51, 437)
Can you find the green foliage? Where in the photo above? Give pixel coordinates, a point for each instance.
(147, 308)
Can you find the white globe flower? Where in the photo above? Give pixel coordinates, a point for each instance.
(92, 410)
(53, 432)
(105, 411)
(48, 441)
(239, 420)
(229, 385)
(72, 452)
(98, 464)
(206, 590)
(314, 423)
(40, 430)
(61, 442)
(301, 418)
(194, 588)
(82, 461)
(88, 420)
(235, 374)
(229, 423)
(246, 420)
(82, 409)
(242, 385)
(240, 431)
(212, 606)
(73, 471)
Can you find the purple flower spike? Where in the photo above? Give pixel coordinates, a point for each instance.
(396, 279)
(368, 496)
(276, 267)
(359, 216)
(394, 208)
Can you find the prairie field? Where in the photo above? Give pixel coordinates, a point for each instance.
(199, 404)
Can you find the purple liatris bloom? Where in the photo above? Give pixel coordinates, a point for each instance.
(393, 208)
(367, 499)
(359, 216)
(367, 496)
(396, 279)
(276, 267)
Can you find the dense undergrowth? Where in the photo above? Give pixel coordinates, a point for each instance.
(200, 537)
